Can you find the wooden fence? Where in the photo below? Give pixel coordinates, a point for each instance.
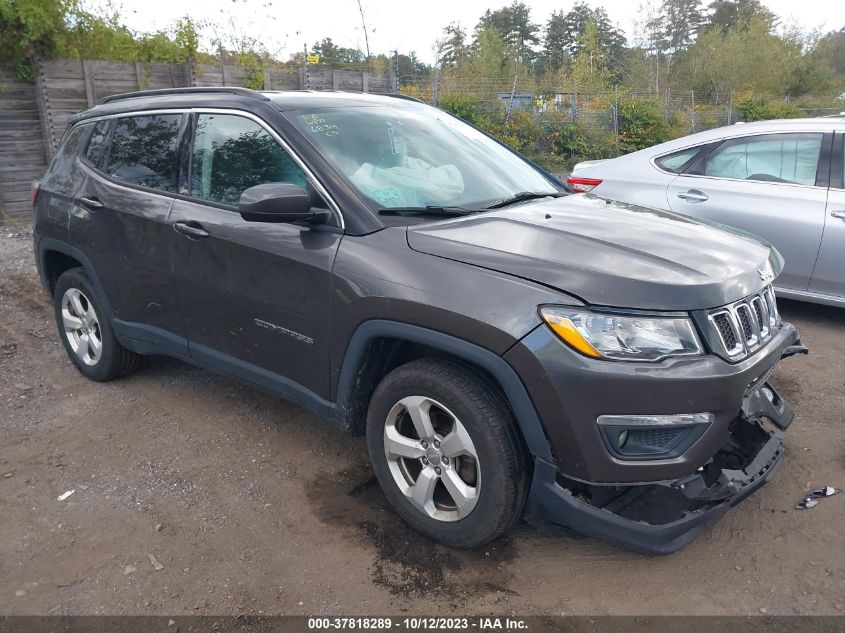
(33, 116)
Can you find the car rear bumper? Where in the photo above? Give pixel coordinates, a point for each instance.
(660, 518)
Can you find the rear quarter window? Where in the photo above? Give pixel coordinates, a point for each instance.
(676, 161)
(95, 152)
(59, 176)
(143, 151)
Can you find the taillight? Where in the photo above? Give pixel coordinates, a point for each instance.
(35, 186)
(582, 185)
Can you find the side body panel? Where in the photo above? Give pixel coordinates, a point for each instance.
(57, 189)
(790, 217)
(256, 292)
(829, 273)
(126, 241)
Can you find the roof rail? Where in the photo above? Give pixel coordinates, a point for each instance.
(397, 95)
(234, 90)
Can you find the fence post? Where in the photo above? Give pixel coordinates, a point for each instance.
(335, 79)
(267, 80)
(365, 81)
(510, 102)
(616, 109)
(189, 73)
(42, 101)
(89, 82)
(692, 115)
(575, 105)
(731, 109)
(436, 86)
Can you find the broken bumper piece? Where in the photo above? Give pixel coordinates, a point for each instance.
(660, 518)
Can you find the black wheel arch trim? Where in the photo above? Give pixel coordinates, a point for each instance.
(46, 244)
(515, 391)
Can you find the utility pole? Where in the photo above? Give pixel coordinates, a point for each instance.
(396, 68)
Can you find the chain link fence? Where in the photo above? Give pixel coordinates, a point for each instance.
(609, 123)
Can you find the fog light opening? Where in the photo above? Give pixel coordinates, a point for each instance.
(623, 437)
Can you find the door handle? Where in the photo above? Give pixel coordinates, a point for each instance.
(193, 230)
(838, 214)
(91, 203)
(693, 195)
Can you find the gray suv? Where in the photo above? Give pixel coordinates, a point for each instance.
(509, 350)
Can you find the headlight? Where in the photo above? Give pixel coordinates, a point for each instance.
(623, 337)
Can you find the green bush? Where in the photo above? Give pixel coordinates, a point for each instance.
(752, 109)
(642, 124)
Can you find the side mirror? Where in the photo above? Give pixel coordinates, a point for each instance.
(275, 202)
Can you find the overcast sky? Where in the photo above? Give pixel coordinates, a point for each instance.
(285, 25)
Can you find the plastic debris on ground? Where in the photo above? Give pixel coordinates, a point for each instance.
(811, 499)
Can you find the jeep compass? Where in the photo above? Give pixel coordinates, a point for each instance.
(509, 350)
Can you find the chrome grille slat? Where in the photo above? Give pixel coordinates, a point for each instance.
(745, 325)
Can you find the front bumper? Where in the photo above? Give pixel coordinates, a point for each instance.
(661, 518)
(571, 391)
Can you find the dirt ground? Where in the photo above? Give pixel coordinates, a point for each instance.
(250, 505)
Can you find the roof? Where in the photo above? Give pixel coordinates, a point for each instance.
(234, 97)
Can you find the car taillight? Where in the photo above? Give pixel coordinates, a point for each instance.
(582, 185)
(35, 186)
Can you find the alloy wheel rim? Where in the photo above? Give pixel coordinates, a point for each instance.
(432, 458)
(82, 327)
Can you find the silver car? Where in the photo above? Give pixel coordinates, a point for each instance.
(781, 180)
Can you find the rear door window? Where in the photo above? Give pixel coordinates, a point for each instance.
(782, 158)
(143, 151)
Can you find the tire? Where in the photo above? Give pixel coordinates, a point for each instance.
(92, 347)
(471, 427)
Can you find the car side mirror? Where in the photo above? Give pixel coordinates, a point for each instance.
(276, 202)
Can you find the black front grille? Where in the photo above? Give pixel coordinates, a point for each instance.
(725, 330)
(758, 310)
(745, 323)
(741, 328)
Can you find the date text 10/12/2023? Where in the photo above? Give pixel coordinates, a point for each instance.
(418, 623)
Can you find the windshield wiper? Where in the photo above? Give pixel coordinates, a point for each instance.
(428, 210)
(522, 196)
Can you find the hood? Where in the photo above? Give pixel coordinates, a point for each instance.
(608, 253)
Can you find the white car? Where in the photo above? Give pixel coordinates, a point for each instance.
(781, 180)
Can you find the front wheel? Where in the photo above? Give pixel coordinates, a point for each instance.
(446, 453)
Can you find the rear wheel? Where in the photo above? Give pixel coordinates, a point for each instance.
(85, 331)
(446, 453)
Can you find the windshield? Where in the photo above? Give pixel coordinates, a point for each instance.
(417, 157)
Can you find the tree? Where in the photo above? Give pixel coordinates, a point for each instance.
(451, 48)
(830, 50)
(32, 27)
(681, 21)
(591, 66)
(490, 56)
(747, 57)
(727, 14)
(337, 56)
(564, 32)
(514, 25)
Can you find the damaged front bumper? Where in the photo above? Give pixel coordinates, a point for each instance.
(660, 518)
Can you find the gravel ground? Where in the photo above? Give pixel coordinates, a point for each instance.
(195, 495)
